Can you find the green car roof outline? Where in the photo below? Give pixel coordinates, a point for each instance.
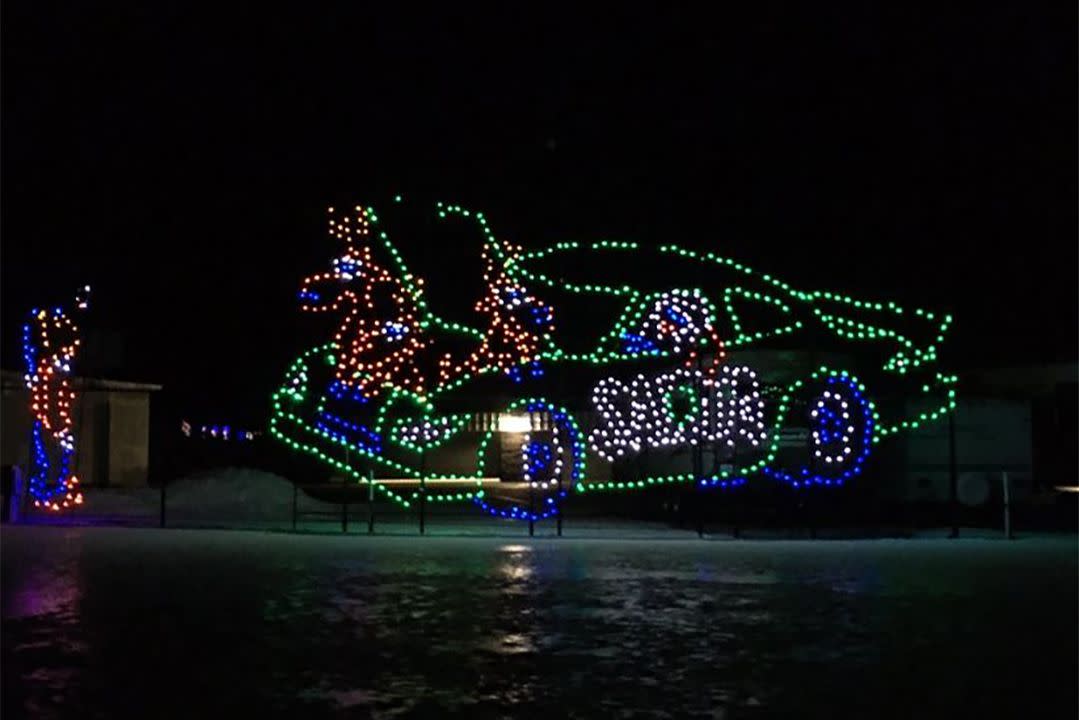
(908, 357)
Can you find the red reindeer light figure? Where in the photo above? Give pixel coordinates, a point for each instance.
(518, 325)
(379, 334)
(384, 336)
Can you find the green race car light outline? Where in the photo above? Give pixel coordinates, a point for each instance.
(293, 429)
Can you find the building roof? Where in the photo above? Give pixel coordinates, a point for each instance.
(1024, 381)
(11, 380)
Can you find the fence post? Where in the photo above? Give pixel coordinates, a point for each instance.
(370, 502)
(953, 478)
(1007, 507)
(531, 511)
(18, 493)
(736, 530)
(423, 489)
(558, 511)
(161, 519)
(698, 458)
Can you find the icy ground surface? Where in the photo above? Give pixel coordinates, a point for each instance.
(120, 622)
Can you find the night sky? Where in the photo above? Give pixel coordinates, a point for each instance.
(181, 161)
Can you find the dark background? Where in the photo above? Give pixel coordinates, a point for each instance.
(181, 161)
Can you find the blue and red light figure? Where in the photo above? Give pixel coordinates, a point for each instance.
(50, 343)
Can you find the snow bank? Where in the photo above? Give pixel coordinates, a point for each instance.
(226, 497)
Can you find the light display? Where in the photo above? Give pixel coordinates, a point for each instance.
(377, 331)
(550, 467)
(225, 433)
(392, 366)
(725, 405)
(426, 433)
(50, 343)
(384, 339)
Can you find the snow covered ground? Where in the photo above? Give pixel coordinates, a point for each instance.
(103, 621)
(230, 497)
(244, 499)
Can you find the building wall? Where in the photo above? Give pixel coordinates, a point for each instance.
(92, 439)
(112, 433)
(14, 427)
(129, 439)
(992, 436)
